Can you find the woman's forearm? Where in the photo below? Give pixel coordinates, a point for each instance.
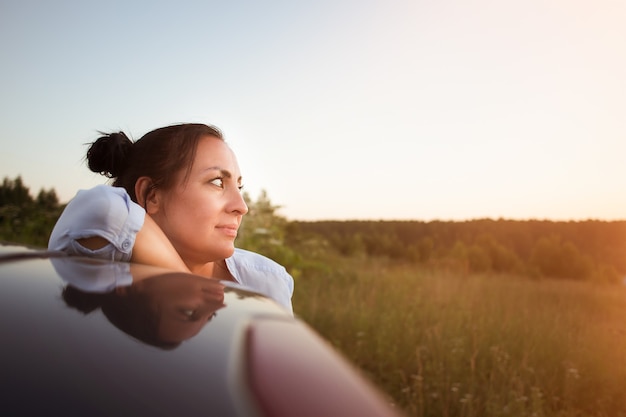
(152, 247)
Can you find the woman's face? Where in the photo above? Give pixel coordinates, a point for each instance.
(201, 214)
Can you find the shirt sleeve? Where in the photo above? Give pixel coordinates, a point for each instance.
(102, 211)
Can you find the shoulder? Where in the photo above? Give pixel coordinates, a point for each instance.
(262, 274)
(101, 201)
(101, 195)
(253, 260)
(102, 206)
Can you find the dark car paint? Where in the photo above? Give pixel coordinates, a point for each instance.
(59, 360)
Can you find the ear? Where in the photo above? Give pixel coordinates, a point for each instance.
(147, 195)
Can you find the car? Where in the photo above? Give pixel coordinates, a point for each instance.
(87, 337)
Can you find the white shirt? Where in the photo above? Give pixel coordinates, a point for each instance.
(108, 212)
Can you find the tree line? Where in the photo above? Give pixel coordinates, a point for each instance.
(579, 250)
(582, 250)
(26, 219)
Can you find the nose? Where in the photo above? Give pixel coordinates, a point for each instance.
(238, 203)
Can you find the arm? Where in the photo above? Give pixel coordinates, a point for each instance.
(152, 247)
(103, 222)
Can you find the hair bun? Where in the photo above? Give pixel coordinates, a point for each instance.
(108, 155)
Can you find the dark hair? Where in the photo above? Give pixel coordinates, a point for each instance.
(159, 155)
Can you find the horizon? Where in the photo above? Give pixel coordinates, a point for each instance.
(33, 194)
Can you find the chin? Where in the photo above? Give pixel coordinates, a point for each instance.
(224, 252)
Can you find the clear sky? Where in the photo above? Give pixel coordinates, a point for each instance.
(340, 109)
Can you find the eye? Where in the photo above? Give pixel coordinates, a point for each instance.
(218, 182)
(187, 314)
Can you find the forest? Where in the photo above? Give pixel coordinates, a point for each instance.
(577, 250)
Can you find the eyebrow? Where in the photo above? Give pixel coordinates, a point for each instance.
(226, 173)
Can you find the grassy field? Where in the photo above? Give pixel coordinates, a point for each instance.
(447, 344)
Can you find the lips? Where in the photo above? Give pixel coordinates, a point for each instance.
(228, 229)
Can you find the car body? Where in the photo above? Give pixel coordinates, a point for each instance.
(88, 337)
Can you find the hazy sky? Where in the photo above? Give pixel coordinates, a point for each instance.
(340, 109)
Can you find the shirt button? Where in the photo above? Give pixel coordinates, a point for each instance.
(126, 244)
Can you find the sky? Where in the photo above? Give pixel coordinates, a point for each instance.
(338, 109)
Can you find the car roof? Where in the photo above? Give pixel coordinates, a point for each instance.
(75, 356)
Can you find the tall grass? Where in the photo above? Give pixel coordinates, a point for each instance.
(446, 344)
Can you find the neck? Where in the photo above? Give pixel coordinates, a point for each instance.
(205, 269)
(216, 269)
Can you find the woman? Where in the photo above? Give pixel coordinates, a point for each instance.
(175, 202)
